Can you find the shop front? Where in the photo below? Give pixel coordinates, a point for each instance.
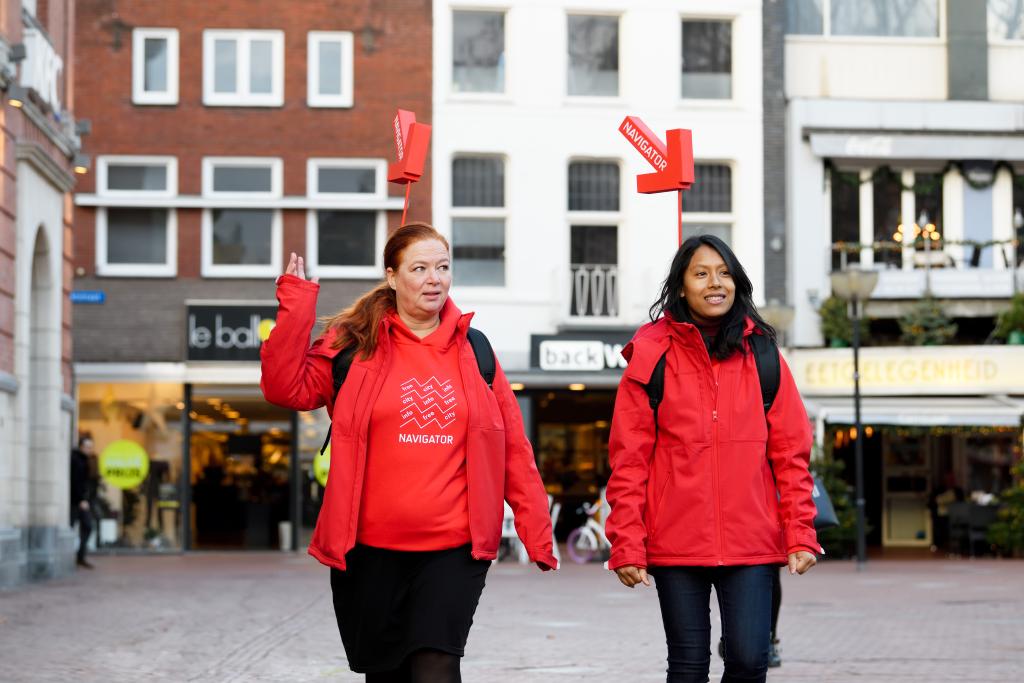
(567, 397)
(189, 454)
(941, 429)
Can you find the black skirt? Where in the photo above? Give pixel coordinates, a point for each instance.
(390, 603)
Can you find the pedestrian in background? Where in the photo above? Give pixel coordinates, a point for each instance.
(710, 488)
(84, 483)
(423, 455)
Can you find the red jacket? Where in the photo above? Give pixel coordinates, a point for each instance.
(499, 460)
(702, 493)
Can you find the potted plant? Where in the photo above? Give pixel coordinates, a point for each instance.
(1007, 533)
(926, 324)
(1010, 323)
(836, 326)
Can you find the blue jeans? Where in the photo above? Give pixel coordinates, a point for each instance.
(745, 603)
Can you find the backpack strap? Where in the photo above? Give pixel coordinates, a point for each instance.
(340, 365)
(484, 355)
(655, 389)
(769, 368)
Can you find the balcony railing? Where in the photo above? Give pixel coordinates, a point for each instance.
(594, 289)
(946, 269)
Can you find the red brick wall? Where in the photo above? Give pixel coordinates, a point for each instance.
(396, 74)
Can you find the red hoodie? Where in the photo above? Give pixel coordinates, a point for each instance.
(414, 493)
(499, 459)
(722, 484)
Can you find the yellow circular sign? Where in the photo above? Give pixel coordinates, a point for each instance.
(266, 325)
(322, 465)
(124, 464)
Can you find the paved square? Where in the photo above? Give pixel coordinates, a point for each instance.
(268, 617)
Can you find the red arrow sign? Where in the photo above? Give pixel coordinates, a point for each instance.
(672, 162)
(412, 140)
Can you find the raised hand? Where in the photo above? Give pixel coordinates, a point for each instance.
(297, 267)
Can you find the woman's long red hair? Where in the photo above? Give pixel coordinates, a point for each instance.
(359, 324)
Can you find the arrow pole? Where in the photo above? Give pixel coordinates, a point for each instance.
(680, 193)
(408, 190)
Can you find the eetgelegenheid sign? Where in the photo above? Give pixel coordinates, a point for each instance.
(228, 331)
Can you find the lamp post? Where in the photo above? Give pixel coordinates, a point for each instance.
(855, 286)
(779, 316)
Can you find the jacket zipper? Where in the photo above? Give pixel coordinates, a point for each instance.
(715, 483)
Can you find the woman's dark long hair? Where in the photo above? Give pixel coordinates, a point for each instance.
(730, 333)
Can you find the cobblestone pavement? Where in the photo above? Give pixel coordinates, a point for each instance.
(268, 617)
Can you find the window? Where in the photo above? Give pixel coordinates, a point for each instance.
(928, 198)
(242, 177)
(903, 18)
(344, 243)
(346, 178)
(330, 69)
(155, 66)
(593, 56)
(137, 176)
(137, 242)
(241, 243)
(707, 60)
(478, 220)
(887, 195)
(708, 202)
(1006, 19)
(711, 191)
(478, 181)
(804, 17)
(243, 68)
(845, 216)
(593, 186)
(478, 51)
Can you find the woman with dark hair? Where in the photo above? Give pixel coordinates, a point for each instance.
(709, 487)
(423, 454)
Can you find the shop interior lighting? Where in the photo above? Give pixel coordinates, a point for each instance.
(576, 386)
(517, 386)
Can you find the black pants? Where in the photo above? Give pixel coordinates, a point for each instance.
(84, 530)
(745, 603)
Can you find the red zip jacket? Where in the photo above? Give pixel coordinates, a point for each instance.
(499, 460)
(702, 493)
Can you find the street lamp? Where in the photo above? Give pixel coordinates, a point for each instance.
(855, 286)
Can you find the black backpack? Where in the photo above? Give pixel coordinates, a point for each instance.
(769, 372)
(477, 339)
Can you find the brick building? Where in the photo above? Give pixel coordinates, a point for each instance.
(39, 149)
(226, 135)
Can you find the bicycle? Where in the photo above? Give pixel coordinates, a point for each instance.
(585, 542)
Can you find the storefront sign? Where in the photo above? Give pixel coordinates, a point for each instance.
(910, 371)
(576, 353)
(42, 67)
(322, 465)
(228, 332)
(124, 464)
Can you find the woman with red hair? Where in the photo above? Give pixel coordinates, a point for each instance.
(424, 453)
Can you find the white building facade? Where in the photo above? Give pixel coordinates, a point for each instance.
(554, 249)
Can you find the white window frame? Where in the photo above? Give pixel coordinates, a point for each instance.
(505, 94)
(733, 98)
(567, 63)
(826, 30)
(220, 270)
(374, 272)
(276, 181)
(727, 218)
(242, 97)
(313, 97)
(595, 218)
(103, 164)
(486, 212)
(167, 269)
(139, 93)
(379, 166)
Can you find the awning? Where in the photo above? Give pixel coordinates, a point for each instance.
(882, 145)
(973, 411)
(540, 379)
